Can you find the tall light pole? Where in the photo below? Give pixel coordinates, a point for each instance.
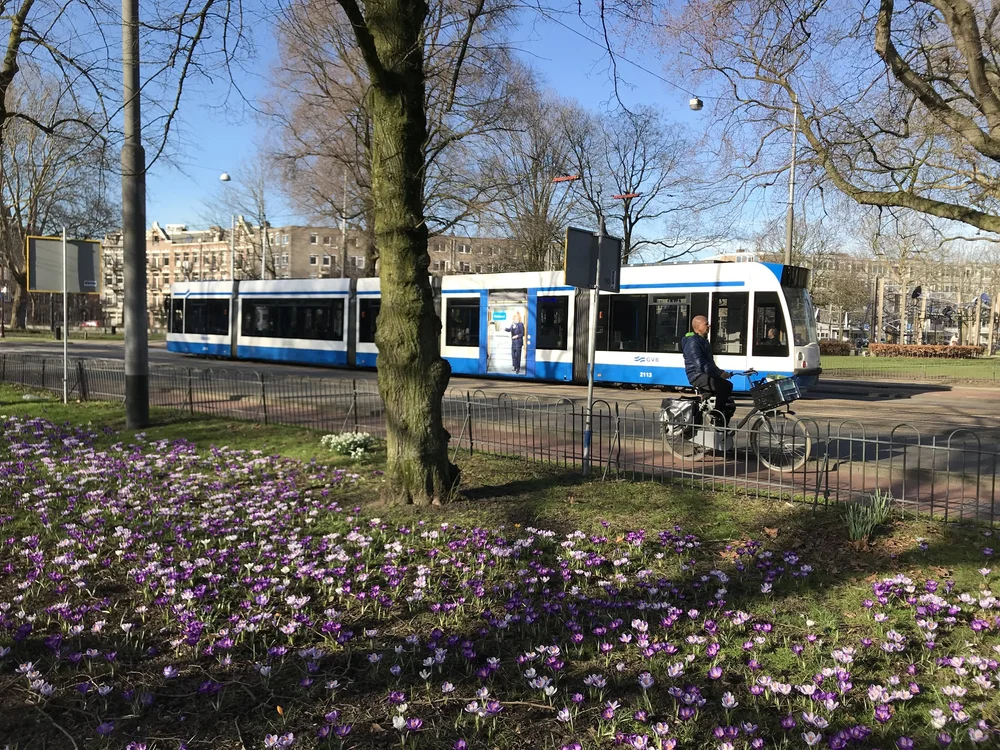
(224, 177)
(790, 214)
(134, 228)
(343, 233)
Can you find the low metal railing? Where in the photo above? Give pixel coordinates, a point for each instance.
(950, 475)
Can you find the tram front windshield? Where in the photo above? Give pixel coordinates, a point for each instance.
(803, 316)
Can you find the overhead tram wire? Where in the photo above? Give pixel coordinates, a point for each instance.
(618, 56)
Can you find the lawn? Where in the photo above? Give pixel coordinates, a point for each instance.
(215, 585)
(912, 368)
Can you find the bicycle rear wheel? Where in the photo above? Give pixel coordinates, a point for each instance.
(780, 441)
(681, 444)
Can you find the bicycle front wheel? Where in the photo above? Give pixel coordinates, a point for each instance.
(780, 441)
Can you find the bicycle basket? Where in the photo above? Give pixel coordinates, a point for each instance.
(771, 394)
(676, 414)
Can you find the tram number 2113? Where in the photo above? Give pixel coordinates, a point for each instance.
(645, 374)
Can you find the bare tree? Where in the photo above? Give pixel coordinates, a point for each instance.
(632, 172)
(390, 37)
(48, 180)
(321, 104)
(252, 197)
(910, 123)
(520, 165)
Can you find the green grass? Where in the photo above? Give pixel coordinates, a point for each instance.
(508, 495)
(169, 424)
(501, 490)
(912, 368)
(75, 334)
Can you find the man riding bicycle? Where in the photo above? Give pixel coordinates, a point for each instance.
(702, 373)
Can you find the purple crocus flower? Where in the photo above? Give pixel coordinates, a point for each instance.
(105, 728)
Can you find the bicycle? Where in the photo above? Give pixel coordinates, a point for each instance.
(777, 437)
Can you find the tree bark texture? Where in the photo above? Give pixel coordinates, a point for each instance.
(19, 305)
(412, 376)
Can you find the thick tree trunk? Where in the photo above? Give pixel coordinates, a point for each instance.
(412, 376)
(19, 306)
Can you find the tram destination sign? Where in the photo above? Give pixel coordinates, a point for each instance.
(580, 260)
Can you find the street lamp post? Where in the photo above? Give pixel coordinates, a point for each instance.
(224, 177)
(790, 214)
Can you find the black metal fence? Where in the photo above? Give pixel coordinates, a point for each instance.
(951, 475)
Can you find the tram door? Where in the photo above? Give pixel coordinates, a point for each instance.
(505, 311)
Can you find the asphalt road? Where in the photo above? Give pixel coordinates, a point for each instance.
(929, 409)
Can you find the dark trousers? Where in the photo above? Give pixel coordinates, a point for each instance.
(515, 354)
(722, 389)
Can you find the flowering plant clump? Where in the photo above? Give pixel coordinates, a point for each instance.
(353, 444)
(150, 592)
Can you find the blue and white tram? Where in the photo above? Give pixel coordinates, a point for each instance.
(199, 318)
(760, 317)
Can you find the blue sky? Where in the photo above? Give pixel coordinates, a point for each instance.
(218, 138)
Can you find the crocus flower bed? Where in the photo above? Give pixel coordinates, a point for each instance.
(152, 596)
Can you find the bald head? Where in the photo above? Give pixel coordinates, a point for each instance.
(700, 325)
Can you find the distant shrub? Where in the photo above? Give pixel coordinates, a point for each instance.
(925, 350)
(832, 348)
(353, 444)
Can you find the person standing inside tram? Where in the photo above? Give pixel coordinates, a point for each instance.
(516, 331)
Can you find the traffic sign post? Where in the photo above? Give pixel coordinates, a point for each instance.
(592, 261)
(58, 265)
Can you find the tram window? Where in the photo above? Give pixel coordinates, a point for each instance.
(462, 328)
(729, 323)
(368, 319)
(551, 316)
(699, 305)
(177, 316)
(207, 316)
(669, 321)
(770, 338)
(627, 329)
(314, 320)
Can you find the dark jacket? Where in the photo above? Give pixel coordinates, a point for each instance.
(698, 359)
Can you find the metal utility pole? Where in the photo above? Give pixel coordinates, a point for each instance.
(588, 425)
(65, 296)
(134, 228)
(343, 233)
(790, 215)
(232, 248)
(879, 309)
(977, 325)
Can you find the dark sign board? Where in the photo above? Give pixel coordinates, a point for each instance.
(580, 260)
(45, 265)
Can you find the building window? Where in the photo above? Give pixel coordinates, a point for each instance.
(284, 240)
(326, 260)
(358, 261)
(326, 239)
(439, 265)
(479, 269)
(464, 249)
(464, 268)
(313, 239)
(313, 260)
(284, 259)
